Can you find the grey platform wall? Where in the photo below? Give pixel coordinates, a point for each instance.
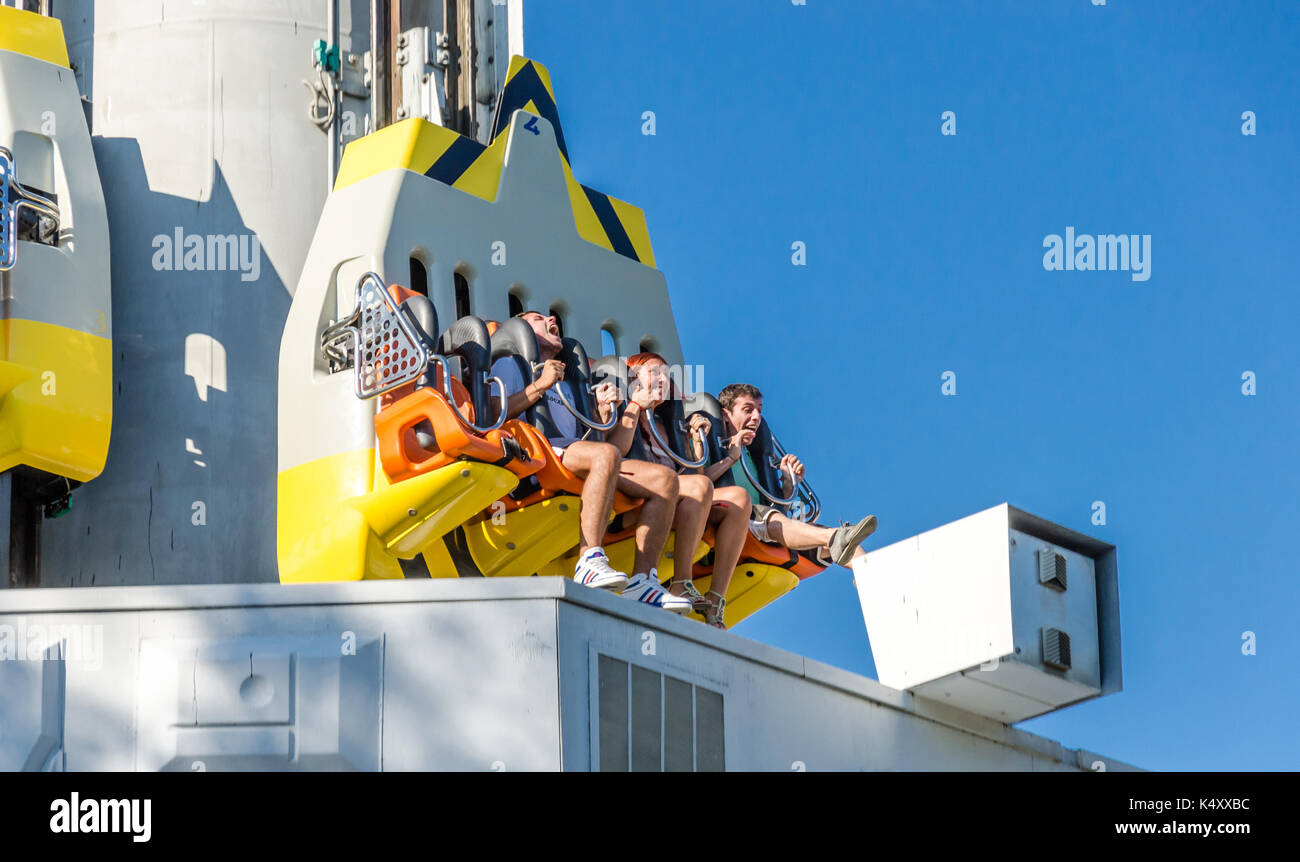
(479, 674)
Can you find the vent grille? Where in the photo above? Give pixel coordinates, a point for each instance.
(1056, 648)
(1051, 569)
(652, 722)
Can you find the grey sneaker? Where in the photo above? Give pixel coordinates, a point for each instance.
(848, 537)
(699, 603)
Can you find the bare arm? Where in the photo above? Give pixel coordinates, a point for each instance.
(625, 430)
(791, 469)
(718, 470)
(552, 373)
(734, 450)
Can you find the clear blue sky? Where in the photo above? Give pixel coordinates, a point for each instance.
(821, 123)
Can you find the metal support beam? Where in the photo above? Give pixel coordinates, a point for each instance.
(381, 69)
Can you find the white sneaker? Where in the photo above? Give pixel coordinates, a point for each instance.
(593, 570)
(646, 589)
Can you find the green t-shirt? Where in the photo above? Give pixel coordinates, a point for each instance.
(738, 477)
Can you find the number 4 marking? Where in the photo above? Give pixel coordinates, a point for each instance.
(531, 126)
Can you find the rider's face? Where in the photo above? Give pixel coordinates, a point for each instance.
(547, 329)
(746, 413)
(654, 376)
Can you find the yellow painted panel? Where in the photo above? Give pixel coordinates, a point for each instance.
(438, 560)
(483, 176)
(413, 513)
(633, 219)
(33, 35)
(413, 145)
(320, 537)
(517, 62)
(747, 595)
(584, 217)
(56, 399)
(622, 556)
(530, 538)
(332, 527)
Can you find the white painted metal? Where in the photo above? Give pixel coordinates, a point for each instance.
(423, 80)
(956, 614)
(448, 674)
(52, 152)
(381, 222)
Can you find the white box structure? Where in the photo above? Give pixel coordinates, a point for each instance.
(1002, 614)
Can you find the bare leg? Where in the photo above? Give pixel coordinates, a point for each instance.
(796, 535)
(598, 465)
(733, 526)
(694, 499)
(658, 487)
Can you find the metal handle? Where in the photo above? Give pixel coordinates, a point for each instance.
(779, 501)
(811, 505)
(335, 331)
(350, 323)
(658, 438)
(451, 402)
(595, 426)
(26, 200)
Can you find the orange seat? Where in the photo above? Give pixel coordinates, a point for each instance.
(400, 452)
(402, 456)
(754, 551)
(554, 477)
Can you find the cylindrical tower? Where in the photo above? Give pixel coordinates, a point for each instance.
(214, 177)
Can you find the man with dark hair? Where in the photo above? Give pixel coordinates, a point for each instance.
(742, 410)
(602, 469)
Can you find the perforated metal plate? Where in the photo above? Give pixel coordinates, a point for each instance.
(8, 235)
(388, 354)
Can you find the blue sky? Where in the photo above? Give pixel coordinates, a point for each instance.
(821, 123)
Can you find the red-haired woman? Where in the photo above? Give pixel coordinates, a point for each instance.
(699, 503)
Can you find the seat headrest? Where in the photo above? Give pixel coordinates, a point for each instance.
(515, 337)
(763, 453)
(609, 368)
(468, 338)
(419, 310)
(702, 402)
(574, 357)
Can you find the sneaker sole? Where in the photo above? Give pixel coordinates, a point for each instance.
(671, 608)
(613, 585)
(855, 538)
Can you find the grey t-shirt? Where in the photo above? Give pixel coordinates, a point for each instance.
(565, 423)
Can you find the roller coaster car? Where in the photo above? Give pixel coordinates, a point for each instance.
(538, 522)
(56, 356)
(343, 520)
(422, 425)
(765, 571)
